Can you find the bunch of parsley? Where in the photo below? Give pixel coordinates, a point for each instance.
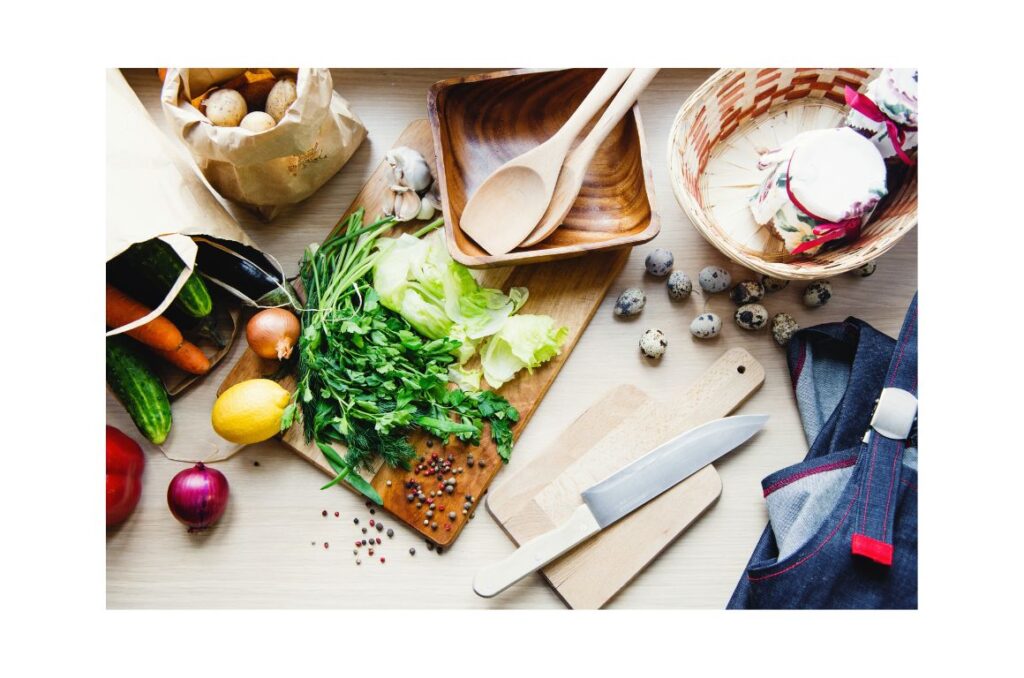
(366, 378)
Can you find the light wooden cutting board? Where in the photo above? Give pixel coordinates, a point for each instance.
(622, 426)
(569, 291)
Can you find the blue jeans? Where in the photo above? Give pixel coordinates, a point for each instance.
(843, 522)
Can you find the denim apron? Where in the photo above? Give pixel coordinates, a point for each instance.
(842, 527)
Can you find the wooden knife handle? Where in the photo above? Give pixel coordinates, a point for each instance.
(536, 553)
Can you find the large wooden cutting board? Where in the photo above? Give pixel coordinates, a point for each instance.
(622, 426)
(569, 291)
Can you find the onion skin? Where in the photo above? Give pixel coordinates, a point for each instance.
(198, 496)
(272, 333)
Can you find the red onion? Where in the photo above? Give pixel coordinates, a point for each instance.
(198, 496)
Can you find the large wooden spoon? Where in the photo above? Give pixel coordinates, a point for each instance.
(570, 181)
(510, 202)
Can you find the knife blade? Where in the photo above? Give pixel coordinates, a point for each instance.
(620, 494)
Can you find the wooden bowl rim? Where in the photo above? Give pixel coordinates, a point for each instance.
(652, 229)
(805, 269)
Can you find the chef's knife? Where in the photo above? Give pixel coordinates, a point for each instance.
(620, 494)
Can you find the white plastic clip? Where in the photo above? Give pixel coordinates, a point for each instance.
(895, 413)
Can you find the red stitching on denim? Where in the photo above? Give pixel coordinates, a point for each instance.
(909, 484)
(896, 457)
(779, 484)
(867, 489)
(816, 550)
(903, 347)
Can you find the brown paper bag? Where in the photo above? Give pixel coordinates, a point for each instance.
(280, 166)
(153, 191)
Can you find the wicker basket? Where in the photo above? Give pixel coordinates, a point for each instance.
(717, 138)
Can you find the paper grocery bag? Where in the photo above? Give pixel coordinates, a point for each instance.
(281, 166)
(153, 191)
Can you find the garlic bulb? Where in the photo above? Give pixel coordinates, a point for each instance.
(409, 168)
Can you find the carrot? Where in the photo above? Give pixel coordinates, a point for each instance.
(188, 357)
(159, 333)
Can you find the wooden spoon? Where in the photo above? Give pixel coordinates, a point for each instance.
(509, 203)
(570, 181)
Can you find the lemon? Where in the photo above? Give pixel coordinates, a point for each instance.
(250, 411)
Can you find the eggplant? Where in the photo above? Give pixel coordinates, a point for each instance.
(247, 273)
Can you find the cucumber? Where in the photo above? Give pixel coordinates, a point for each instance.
(138, 389)
(157, 263)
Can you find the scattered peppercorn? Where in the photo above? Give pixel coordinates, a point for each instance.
(380, 527)
(364, 530)
(355, 521)
(255, 463)
(326, 545)
(391, 533)
(382, 559)
(324, 514)
(337, 514)
(412, 550)
(451, 515)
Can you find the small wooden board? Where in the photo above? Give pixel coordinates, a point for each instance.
(569, 291)
(622, 426)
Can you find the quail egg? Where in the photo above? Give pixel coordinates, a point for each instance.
(714, 279)
(630, 302)
(751, 316)
(653, 343)
(679, 286)
(747, 292)
(867, 269)
(783, 327)
(659, 262)
(773, 284)
(817, 293)
(706, 326)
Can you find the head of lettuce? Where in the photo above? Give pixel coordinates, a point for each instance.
(439, 297)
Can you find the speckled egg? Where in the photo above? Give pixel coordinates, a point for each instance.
(817, 293)
(706, 326)
(659, 262)
(747, 292)
(653, 343)
(751, 316)
(679, 286)
(783, 327)
(714, 279)
(630, 302)
(773, 284)
(866, 270)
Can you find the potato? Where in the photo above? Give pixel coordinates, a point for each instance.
(257, 121)
(225, 108)
(280, 98)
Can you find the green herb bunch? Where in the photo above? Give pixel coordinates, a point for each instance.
(366, 379)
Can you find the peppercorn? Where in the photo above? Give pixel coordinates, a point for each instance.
(412, 550)
(382, 559)
(378, 540)
(358, 562)
(388, 483)
(373, 511)
(391, 533)
(355, 521)
(433, 526)
(364, 530)
(380, 527)
(326, 545)
(324, 514)
(451, 515)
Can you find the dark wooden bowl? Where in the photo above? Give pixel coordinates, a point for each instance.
(482, 121)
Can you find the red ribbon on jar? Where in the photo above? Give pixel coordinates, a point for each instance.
(870, 110)
(826, 230)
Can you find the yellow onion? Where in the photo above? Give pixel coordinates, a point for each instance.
(272, 333)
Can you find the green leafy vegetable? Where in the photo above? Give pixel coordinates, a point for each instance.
(523, 341)
(417, 278)
(367, 376)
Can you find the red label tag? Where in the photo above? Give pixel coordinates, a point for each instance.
(878, 551)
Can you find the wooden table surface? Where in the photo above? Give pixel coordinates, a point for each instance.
(267, 551)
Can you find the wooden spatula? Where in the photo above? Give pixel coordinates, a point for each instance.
(510, 202)
(570, 180)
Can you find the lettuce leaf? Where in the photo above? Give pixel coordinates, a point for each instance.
(523, 341)
(417, 278)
